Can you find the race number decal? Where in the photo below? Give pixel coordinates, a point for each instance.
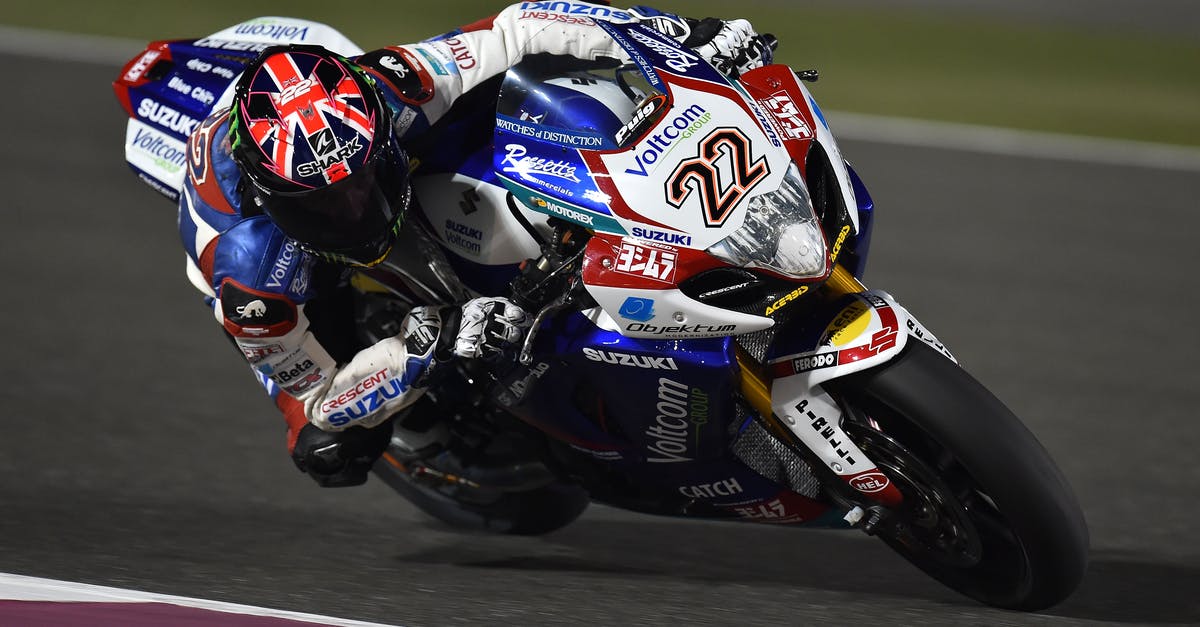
(724, 151)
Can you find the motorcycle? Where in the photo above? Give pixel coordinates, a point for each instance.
(703, 346)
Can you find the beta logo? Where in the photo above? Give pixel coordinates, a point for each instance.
(640, 309)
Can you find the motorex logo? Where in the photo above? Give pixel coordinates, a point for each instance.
(640, 309)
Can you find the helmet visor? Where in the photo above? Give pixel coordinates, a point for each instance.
(352, 219)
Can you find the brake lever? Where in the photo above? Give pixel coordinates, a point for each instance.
(563, 301)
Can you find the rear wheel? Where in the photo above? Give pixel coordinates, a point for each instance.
(985, 511)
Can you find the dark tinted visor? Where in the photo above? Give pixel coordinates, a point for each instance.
(353, 217)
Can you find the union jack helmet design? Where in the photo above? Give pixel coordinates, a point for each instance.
(313, 135)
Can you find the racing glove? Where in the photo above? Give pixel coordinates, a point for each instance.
(490, 329)
(733, 47)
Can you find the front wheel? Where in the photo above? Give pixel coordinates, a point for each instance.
(985, 511)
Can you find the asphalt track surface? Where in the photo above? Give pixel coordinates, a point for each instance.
(138, 452)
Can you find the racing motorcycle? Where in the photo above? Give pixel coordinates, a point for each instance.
(703, 346)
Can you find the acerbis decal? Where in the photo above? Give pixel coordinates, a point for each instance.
(787, 298)
(702, 174)
(837, 245)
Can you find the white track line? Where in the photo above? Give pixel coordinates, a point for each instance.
(21, 588)
(871, 128)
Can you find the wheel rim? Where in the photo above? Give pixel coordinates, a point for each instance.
(932, 519)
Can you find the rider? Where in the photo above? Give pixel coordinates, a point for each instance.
(305, 179)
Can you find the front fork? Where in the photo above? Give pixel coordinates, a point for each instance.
(788, 396)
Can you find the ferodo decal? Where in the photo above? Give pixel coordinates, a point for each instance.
(723, 172)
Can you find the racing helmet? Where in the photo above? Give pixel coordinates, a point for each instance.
(312, 133)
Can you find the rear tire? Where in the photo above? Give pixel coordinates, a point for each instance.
(986, 511)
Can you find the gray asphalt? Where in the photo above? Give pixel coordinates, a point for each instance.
(138, 452)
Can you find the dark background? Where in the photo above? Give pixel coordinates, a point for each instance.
(137, 450)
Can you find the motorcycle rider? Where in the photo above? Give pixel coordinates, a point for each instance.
(305, 180)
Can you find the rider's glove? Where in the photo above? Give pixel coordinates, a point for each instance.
(339, 459)
(490, 328)
(733, 47)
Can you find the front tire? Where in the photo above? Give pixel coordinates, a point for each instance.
(986, 510)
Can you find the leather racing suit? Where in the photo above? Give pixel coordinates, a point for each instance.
(292, 314)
